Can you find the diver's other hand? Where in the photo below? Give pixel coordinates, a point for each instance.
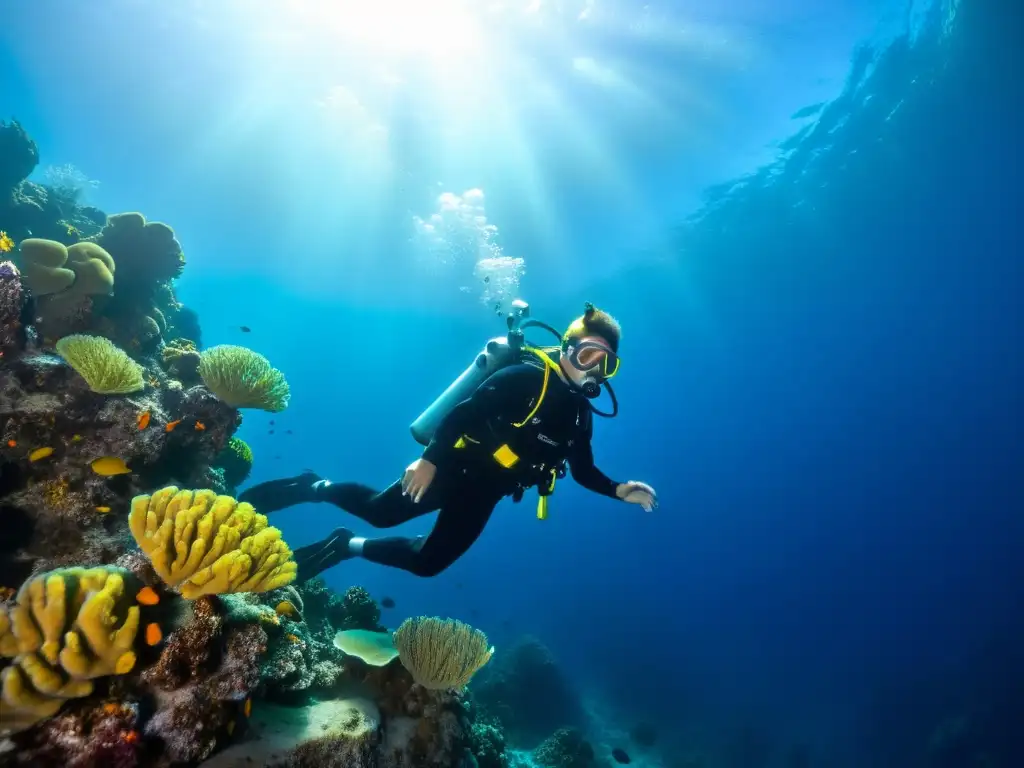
(417, 479)
(636, 492)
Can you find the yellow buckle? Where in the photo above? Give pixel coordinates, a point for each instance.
(506, 457)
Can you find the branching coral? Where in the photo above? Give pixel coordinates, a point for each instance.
(106, 369)
(206, 544)
(243, 378)
(441, 653)
(66, 628)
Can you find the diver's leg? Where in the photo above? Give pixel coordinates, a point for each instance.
(314, 558)
(458, 525)
(384, 509)
(277, 494)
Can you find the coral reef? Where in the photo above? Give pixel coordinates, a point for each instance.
(140, 624)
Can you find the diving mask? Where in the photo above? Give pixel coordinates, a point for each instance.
(594, 357)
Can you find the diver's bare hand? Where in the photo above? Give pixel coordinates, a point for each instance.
(417, 479)
(635, 492)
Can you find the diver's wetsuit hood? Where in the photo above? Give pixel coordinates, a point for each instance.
(591, 385)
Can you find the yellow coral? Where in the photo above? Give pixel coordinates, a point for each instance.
(66, 628)
(441, 653)
(243, 378)
(205, 544)
(106, 369)
(55, 492)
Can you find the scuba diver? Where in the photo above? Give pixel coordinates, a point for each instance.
(512, 421)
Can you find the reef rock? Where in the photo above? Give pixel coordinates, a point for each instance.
(15, 312)
(527, 693)
(342, 731)
(62, 511)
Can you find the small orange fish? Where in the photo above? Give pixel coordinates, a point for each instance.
(171, 425)
(12, 443)
(247, 707)
(130, 737)
(153, 633)
(143, 420)
(200, 426)
(147, 596)
(111, 708)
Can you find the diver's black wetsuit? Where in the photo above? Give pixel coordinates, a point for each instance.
(469, 481)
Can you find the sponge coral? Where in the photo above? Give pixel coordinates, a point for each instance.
(106, 369)
(205, 544)
(66, 628)
(243, 378)
(441, 653)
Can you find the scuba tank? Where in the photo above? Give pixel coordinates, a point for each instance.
(497, 353)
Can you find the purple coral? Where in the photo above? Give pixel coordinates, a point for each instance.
(13, 301)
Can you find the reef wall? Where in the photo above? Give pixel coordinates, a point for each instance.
(147, 618)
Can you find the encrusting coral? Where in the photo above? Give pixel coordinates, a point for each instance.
(441, 653)
(66, 628)
(206, 544)
(181, 359)
(106, 369)
(243, 378)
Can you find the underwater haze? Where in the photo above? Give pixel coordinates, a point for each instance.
(806, 217)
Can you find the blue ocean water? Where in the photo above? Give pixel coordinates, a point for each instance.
(805, 218)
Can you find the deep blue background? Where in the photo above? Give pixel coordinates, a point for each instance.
(822, 373)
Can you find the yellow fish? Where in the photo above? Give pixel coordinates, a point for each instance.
(103, 510)
(6, 244)
(76, 438)
(40, 453)
(108, 466)
(287, 608)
